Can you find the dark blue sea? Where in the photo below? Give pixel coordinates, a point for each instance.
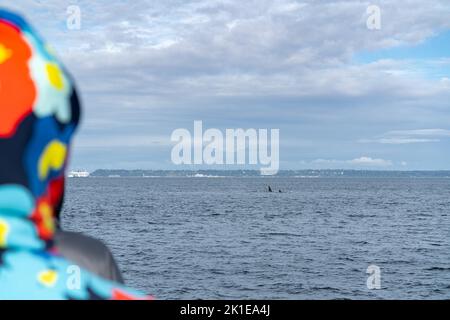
(228, 238)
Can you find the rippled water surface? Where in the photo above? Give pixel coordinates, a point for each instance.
(189, 238)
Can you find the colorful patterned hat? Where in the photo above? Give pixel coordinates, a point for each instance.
(39, 112)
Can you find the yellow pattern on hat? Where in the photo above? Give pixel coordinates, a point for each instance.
(5, 53)
(53, 157)
(55, 76)
(4, 230)
(48, 278)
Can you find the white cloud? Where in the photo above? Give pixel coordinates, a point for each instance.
(398, 140)
(368, 161)
(358, 162)
(421, 132)
(410, 136)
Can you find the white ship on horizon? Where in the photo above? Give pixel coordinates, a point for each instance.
(78, 174)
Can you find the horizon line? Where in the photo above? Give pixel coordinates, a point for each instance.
(281, 170)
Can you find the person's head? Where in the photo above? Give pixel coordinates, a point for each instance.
(39, 112)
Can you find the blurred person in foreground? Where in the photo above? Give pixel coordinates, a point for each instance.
(39, 112)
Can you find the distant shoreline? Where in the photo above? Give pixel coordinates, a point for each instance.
(329, 173)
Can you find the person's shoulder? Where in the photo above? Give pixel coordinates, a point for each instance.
(68, 238)
(90, 253)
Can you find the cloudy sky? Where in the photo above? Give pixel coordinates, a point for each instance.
(342, 95)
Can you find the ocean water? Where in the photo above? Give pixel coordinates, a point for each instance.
(228, 238)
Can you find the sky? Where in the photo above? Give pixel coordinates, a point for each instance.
(341, 94)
